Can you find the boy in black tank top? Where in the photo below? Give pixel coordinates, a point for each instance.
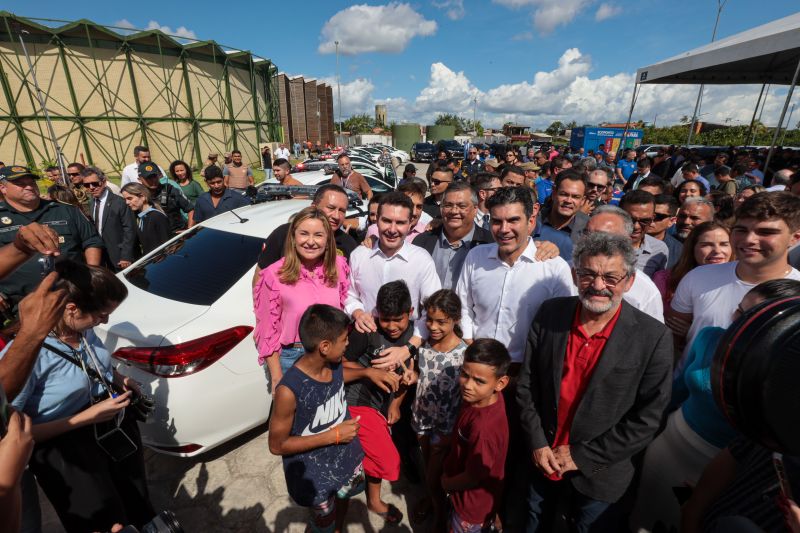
(311, 426)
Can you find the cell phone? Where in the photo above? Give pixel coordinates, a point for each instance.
(47, 264)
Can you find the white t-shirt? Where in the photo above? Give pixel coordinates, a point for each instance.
(645, 297)
(711, 294)
(130, 174)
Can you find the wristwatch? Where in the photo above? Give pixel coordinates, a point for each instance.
(413, 350)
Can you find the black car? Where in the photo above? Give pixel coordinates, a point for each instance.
(454, 148)
(421, 152)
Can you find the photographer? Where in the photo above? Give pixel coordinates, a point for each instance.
(88, 454)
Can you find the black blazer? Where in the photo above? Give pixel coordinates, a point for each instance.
(622, 407)
(429, 239)
(154, 232)
(119, 230)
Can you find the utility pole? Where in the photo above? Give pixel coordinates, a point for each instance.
(720, 5)
(338, 87)
(788, 125)
(474, 114)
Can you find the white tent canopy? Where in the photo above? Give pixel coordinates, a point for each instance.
(765, 54)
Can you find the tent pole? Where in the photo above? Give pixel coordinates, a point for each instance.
(783, 115)
(630, 114)
(761, 113)
(755, 112)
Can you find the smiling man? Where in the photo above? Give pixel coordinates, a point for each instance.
(565, 211)
(593, 389)
(390, 259)
(449, 243)
(767, 225)
(502, 284)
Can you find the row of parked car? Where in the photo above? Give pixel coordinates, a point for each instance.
(185, 330)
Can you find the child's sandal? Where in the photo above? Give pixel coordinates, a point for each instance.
(392, 516)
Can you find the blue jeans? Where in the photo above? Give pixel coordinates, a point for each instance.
(548, 500)
(290, 354)
(267, 173)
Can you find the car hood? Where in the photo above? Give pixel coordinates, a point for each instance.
(145, 319)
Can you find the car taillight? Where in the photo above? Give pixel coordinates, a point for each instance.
(172, 361)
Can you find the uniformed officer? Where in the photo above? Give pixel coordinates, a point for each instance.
(77, 236)
(170, 198)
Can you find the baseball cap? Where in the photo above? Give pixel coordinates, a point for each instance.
(13, 172)
(149, 169)
(410, 167)
(213, 155)
(531, 166)
(227, 155)
(492, 163)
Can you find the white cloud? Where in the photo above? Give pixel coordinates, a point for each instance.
(356, 96)
(181, 31)
(453, 8)
(447, 91)
(549, 14)
(607, 11)
(363, 28)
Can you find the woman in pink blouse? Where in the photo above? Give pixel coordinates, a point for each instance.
(309, 273)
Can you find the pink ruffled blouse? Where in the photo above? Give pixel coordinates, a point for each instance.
(278, 306)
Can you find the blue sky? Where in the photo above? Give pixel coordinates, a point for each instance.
(528, 60)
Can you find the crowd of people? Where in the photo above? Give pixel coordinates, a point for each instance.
(527, 336)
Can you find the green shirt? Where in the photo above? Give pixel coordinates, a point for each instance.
(192, 190)
(75, 234)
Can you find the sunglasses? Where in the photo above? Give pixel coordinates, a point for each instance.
(439, 182)
(73, 173)
(93, 184)
(598, 186)
(658, 217)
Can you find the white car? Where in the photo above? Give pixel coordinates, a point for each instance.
(321, 177)
(185, 330)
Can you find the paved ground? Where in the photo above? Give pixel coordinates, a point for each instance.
(239, 487)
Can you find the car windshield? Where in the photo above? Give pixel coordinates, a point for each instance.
(199, 267)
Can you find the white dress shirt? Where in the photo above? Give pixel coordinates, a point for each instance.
(130, 174)
(645, 297)
(282, 153)
(499, 301)
(99, 222)
(370, 268)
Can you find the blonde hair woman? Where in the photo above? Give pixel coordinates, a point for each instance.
(310, 273)
(152, 225)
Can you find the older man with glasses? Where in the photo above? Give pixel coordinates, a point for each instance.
(472, 165)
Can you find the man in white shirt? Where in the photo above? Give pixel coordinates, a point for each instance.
(502, 285)
(767, 226)
(282, 152)
(390, 259)
(643, 294)
(130, 174)
(485, 185)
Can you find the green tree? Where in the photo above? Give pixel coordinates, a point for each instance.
(356, 124)
(449, 119)
(571, 125)
(477, 127)
(556, 128)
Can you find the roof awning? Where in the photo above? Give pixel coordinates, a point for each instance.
(765, 54)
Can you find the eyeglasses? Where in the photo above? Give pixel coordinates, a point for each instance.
(434, 181)
(598, 186)
(587, 277)
(643, 222)
(73, 173)
(93, 184)
(455, 207)
(658, 217)
(473, 153)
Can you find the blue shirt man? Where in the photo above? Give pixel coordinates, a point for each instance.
(218, 199)
(628, 167)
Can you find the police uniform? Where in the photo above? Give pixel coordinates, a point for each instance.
(171, 199)
(75, 234)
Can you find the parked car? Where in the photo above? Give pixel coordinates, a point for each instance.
(454, 148)
(185, 330)
(422, 152)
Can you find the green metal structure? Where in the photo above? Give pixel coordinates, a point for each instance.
(108, 90)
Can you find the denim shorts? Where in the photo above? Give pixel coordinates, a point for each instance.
(290, 354)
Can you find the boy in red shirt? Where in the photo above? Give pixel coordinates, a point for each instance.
(473, 471)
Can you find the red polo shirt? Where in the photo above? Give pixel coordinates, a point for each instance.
(583, 353)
